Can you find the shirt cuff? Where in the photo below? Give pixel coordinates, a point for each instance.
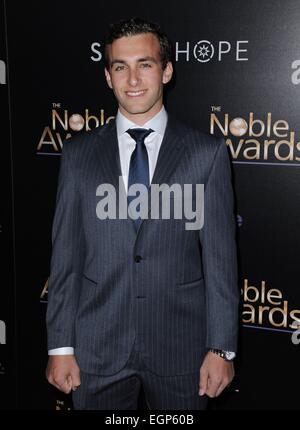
(61, 351)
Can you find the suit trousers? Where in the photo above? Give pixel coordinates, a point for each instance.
(121, 390)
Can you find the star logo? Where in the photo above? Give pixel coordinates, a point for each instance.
(203, 51)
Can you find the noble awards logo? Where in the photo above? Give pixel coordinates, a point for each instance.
(44, 293)
(61, 405)
(266, 308)
(64, 124)
(256, 140)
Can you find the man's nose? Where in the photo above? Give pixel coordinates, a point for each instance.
(134, 77)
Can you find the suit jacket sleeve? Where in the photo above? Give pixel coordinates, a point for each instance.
(67, 257)
(219, 255)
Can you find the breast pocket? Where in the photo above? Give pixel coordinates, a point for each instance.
(191, 284)
(89, 278)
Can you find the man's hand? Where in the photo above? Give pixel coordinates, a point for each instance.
(63, 372)
(215, 375)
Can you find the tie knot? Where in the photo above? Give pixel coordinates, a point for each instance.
(139, 134)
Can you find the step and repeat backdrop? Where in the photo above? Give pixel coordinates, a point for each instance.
(237, 76)
(7, 276)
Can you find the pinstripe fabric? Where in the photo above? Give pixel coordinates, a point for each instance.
(180, 298)
(120, 391)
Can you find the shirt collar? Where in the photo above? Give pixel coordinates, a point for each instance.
(158, 123)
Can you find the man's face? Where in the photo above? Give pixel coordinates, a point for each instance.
(136, 76)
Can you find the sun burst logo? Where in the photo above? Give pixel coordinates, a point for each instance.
(203, 51)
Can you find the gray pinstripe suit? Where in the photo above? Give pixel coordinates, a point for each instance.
(170, 292)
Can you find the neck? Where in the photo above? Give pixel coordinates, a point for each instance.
(140, 118)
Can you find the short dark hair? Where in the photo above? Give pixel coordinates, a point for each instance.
(133, 27)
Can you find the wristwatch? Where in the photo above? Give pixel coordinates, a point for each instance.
(226, 355)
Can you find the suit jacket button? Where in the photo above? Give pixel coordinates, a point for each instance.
(137, 258)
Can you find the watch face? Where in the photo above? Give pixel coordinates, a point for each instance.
(229, 355)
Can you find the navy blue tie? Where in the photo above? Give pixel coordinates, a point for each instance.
(139, 164)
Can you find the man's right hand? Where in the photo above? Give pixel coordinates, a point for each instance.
(63, 372)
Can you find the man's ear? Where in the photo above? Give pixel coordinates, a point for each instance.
(108, 78)
(168, 73)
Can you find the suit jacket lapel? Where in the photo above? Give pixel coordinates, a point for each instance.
(108, 154)
(109, 158)
(170, 153)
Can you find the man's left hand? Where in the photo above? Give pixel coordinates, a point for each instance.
(215, 375)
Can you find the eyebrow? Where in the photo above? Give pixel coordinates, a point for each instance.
(140, 60)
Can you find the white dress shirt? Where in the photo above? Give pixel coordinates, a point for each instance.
(126, 146)
(152, 142)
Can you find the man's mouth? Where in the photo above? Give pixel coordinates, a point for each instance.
(135, 93)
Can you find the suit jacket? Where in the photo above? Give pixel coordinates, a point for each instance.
(170, 290)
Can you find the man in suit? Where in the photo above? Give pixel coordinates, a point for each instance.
(142, 301)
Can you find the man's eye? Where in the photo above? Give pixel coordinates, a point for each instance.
(145, 65)
(118, 68)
